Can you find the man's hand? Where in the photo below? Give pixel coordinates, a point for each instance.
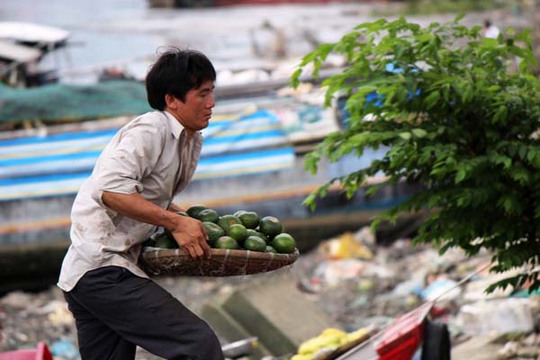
(190, 234)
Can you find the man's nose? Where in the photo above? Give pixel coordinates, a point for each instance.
(211, 102)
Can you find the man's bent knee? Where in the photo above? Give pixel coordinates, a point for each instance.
(205, 346)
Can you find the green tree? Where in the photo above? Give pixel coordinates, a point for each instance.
(456, 120)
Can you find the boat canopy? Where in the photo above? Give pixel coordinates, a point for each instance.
(31, 33)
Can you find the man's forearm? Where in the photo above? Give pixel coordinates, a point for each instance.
(138, 208)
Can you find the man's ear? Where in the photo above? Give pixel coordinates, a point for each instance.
(170, 101)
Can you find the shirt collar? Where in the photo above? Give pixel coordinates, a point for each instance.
(176, 127)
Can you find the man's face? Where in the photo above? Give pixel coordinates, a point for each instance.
(195, 113)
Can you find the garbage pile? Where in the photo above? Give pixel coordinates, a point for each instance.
(361, 284)
(357, 282)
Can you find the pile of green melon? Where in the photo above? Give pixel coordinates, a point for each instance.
(243, 230)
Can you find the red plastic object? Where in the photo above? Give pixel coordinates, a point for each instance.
(41, 352)
(401, 340)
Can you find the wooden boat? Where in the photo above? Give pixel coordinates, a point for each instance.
(253, 159)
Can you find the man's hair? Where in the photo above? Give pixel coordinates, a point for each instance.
(176, 72)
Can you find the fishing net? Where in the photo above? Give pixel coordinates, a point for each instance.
(58, 103)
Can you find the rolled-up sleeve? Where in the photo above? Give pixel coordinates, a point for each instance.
(128, 159)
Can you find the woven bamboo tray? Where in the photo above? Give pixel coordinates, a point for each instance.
(223, 262)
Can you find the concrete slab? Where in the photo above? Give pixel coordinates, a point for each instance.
(277, 313)
(227, 328)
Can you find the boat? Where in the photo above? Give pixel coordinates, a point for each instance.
(253, 159)
(23, 47)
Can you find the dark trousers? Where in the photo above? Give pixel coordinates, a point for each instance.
(115, 311)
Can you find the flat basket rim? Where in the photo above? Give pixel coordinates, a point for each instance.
(223, 262)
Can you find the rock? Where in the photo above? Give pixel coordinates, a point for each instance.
(501, 316)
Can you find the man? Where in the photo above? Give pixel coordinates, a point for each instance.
(490, 30)
(151, 159)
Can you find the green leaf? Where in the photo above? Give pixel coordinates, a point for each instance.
(419, 133)
(405, 135)
(460, 175)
